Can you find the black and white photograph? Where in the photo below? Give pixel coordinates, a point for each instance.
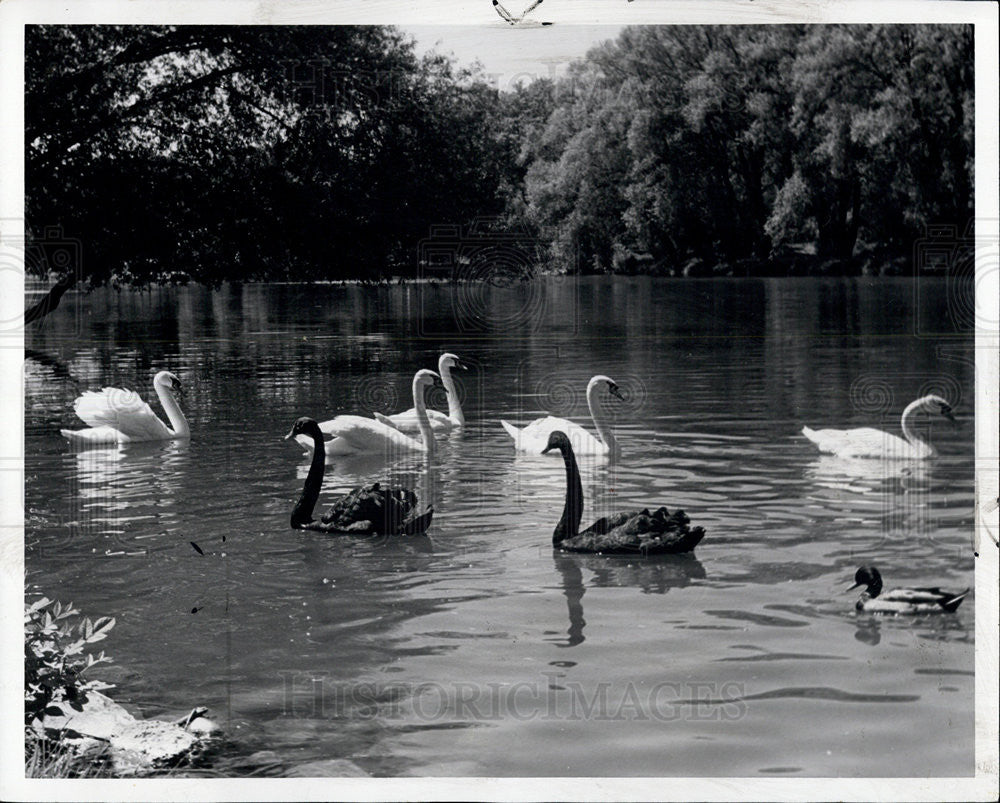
(531, 400)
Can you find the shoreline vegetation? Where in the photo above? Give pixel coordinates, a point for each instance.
(72, 729)
(161, 154)
(792, 265)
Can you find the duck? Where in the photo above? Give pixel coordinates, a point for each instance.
(534, 437)
(867, 442)
(118, 415)
(407, 421)
(902, 600)
(636, 532)
(355, 434)
(367, 510)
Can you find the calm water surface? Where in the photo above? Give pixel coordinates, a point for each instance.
(476, 650)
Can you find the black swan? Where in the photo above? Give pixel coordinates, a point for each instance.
(636, 532)
(370, 510)
(902, 600)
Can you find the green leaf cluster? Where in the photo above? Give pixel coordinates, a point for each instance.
(55, 659)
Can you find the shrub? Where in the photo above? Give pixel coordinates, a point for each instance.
(54, 658)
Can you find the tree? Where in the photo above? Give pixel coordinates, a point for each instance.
(734, 143)
(225, 153)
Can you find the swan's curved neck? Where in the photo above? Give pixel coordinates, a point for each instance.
(302, 513)
(173, 411)
(600, 422)
(910, 410)
(454, 406)
(422, 421)
(569, 524)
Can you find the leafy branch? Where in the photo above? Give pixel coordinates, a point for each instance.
(54, 657)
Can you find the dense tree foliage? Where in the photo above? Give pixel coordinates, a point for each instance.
(229, 153)
(674, 145)
(238, 153)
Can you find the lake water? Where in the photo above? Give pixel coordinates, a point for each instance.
(477, 650)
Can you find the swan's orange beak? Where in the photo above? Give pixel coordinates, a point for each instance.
(856, 585)
(290, 435)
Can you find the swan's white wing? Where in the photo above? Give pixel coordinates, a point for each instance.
(94, 435)
(385, 419)
(122, 410)
(369, 436)
(407, 420)
(861, 442)
(535, 436)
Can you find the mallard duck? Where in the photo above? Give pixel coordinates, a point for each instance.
(902, 600)
(635, 532)
(370, 510)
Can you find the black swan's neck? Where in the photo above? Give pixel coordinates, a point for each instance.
(302, 514)
(569, 524)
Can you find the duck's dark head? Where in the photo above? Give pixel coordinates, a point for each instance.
(557, 440)
(868, 576)
(304, 426)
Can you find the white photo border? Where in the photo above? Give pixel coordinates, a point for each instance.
(983, 14)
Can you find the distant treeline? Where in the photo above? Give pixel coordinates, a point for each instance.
(238, 153)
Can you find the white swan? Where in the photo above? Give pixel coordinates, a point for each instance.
(407, 420)
(355, 434)
(117, 415)
(869, 442)
(534, 437)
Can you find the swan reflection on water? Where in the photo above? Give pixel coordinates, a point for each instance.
(112, 487)
(860, 475)
(653, 574)
(143, 466)
(874, 489)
